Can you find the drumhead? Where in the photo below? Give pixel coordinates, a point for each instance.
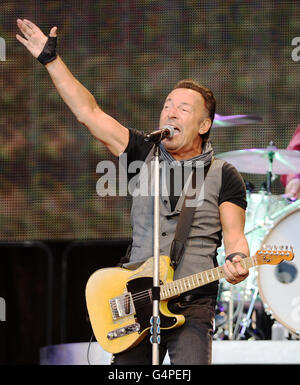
(279, 285)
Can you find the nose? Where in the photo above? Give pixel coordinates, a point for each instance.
(172, 113)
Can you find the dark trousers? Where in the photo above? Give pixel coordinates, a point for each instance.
(190, 344)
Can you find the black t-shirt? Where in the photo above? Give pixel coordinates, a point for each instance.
(232, 188)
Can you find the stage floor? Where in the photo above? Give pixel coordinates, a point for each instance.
(224, 352)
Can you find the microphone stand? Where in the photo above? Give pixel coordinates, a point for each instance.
(155, 320)
(156, 137)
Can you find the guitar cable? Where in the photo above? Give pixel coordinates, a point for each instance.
(88, 349)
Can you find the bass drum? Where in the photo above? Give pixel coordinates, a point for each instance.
(279, 285)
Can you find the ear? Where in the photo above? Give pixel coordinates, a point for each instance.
(204, 126)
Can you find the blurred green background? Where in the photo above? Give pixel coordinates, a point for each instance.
(129, 54)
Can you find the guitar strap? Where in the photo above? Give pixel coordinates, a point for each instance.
(182, 229)
(185, 222)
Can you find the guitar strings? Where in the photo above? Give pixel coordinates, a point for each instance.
(143, 296)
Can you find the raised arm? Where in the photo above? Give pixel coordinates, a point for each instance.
(81, 102)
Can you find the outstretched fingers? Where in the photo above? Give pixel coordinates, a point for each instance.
(33, 38)
(25, 29)
(31, 25)
(22, 40)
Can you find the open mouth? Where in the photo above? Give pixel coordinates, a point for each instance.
(175, 132)
(176, 129)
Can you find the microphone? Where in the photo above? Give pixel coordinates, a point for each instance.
(159, 135)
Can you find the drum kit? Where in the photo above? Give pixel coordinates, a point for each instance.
(269, 291)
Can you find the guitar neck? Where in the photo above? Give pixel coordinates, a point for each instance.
(174, 288)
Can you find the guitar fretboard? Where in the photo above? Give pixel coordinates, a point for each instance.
(174, 288)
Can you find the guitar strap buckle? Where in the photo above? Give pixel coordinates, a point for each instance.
(176, 252)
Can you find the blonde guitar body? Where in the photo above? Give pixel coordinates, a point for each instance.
(119, 301)
(114, 283)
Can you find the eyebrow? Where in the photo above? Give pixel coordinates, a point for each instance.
(183, 103)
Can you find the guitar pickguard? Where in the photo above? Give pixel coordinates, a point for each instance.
(141, 293)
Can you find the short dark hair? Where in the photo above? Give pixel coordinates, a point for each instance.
(208, 96)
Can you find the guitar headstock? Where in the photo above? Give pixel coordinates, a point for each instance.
(273, 255)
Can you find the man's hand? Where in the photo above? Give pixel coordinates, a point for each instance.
(34, 40)
(234, 271)
(292, 189)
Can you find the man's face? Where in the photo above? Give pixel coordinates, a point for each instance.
(184, 109)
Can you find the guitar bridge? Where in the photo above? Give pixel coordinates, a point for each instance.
(121, 306)
(121, 332)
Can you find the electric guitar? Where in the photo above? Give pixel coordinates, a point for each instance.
(119, 301)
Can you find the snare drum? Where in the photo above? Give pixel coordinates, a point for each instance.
(279, 285)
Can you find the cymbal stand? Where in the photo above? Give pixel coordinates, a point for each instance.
(271, 154)
(246, 322)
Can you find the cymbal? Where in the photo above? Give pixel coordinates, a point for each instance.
(257, 160)
(234, 120)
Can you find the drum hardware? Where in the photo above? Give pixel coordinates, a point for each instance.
(279, 332)
(246, 321)
(293, 205)
(264, 214)
(269, 218)
(271, 153)
(225, 318)
(230, 323)
(249, 187)
(263, 224)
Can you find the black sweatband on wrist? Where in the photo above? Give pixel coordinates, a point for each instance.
(49, 51)
(231, 256)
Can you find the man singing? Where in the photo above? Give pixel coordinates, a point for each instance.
(189, 109)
